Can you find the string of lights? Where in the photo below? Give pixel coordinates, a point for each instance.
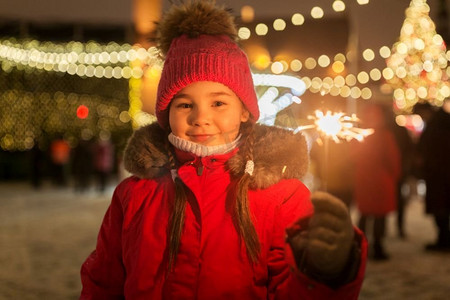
(132, 63)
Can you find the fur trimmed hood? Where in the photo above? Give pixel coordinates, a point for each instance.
(278, 154)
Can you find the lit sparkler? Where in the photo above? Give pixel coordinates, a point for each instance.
(336, 126)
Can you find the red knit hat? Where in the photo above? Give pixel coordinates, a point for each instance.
(202, 49)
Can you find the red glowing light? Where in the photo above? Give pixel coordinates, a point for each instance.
(82, 112)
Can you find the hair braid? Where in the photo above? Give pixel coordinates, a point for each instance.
(242, 210)
(176, 220)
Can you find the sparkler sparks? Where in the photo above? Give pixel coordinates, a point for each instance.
(336, 126)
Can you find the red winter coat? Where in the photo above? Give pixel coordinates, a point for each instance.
(377, 171)
(131, 257)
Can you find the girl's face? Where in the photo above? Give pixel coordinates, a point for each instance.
(207, 113)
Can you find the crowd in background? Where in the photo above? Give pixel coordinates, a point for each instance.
(89, 163)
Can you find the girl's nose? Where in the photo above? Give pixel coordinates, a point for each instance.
(200, 117)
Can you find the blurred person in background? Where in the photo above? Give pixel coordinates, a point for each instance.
(60, 157)
(377, 171)
(405, 145)
(434, 164)
(82, 165)
(103, 162)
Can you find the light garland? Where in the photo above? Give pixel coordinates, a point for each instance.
(297, 19)
(84, 60)
(120, 63)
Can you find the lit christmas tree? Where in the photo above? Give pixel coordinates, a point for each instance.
(418, 61)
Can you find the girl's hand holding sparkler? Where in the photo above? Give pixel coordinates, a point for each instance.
(323, 249)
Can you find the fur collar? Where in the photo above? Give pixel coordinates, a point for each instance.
(275, 150)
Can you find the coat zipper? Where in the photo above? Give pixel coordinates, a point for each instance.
(200, 168)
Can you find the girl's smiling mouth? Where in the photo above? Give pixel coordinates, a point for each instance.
(201, 138)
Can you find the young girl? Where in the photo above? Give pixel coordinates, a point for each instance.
(215, 208)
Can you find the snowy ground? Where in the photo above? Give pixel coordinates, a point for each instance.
(45, 235)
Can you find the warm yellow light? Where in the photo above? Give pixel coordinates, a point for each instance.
(277, 67)
(261, 29)
(400, 120)
(316, 83)
(410, 94)
(355, 92)
(334, 91)
(363, 77)
(388, 73)
(366, 93)
(323, 61)
(338, 67)
(402, 48)
(415, 69)
(262, 61)
(445, 91)
(297, 19)
(428, 66)
(279, 24)
(422, 92)
(401, 103)
(307, 81)
(368, 54)
(340, 57)
(400, 72)
(285, 65)
(244, 33)
(247, 13)
(399, 94)
(328, 82)
(417, 121)
(99, 71)
(345, 91)
(316, 12)
(350, 80)
(375, 74)
(126, 72)
(338, 5)
(362, 2)
(339, 81)
(296, 65)
(419, 44)
(437, 40)
(154, 72)
(385, 52)
(310, 63)
(408, 28)
(108, 72)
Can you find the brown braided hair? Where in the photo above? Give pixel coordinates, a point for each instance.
(176, 221)
(242, 215)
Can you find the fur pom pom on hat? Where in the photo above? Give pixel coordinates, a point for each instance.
(198, 41)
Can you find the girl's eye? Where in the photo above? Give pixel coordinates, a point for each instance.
(218, 103)
(184, 105)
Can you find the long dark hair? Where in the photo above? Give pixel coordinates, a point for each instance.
(242, 216)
